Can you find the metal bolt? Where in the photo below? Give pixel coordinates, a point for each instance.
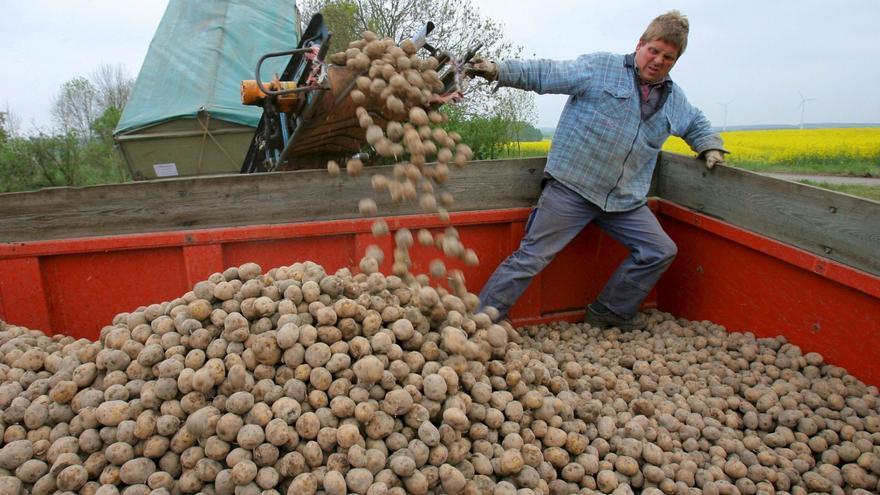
(832, 209)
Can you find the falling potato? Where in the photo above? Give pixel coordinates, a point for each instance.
(333, 168)
(367, 207)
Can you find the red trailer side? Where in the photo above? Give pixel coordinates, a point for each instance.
(723, 273)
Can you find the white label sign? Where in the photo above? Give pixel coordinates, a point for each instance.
(166, 169)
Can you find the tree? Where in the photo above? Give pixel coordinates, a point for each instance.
(87, 111)
(4, 136)
(10, 123)
(487, 135)
(79, 150)
(113, 86)
(46, 161)
(458, 24)
(518, 109)
(528, 132)
(341, 18)
(76, 107)
(102, 150)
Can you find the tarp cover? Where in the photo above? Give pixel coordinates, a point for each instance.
(200, 54)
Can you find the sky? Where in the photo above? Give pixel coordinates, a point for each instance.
(749, 62)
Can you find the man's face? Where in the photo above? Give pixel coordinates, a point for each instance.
(655, 59)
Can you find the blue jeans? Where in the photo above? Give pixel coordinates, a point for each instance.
(558, 217)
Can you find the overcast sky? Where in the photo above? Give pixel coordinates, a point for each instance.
(755, 57)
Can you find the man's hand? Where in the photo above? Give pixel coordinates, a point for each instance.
(714, 157)
(486, 69)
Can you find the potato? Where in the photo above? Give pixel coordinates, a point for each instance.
(397, 402)
(367, 207)
(354, 166)
(334, 483)
(368, 369)
(136, 471)
(606, 481)
(31, 470)
(435, 387)
(72, 478)
(358, 480)
(15, 453)
(305, 483)
(250, 436)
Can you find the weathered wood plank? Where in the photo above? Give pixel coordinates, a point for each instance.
(236, 200)
(837, 226)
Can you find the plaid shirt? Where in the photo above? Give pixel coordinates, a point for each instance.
(603, 149)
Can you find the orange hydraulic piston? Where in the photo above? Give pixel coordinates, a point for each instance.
(251, 94)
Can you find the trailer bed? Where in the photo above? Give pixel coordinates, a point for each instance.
(755, 253)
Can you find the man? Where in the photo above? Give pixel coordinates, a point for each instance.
(620, 110)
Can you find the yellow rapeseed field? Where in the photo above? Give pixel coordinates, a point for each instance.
(529, 148)
(773, 147)
(796, 146)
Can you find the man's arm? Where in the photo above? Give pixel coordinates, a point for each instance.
(541, 76)
(698, 134)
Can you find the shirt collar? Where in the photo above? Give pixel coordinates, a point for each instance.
(630, 61)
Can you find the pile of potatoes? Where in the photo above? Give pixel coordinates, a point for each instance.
(281, 382)
(296, 381)
(686, 407)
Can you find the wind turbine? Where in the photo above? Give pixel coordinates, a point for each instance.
(803, 106)
(725, 104)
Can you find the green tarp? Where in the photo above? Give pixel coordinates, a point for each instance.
(199, 55)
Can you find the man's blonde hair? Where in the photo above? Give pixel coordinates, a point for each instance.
(671, 27)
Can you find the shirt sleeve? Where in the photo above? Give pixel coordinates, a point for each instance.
(567, 77)
(697, 131)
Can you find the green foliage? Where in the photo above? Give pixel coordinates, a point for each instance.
(487, 135)
(860, 190)
(342, 18)
(76, 107)
(57, 160)
(102, 127)
(4, 136)
(80, 150)
(458, 24)
(524, 132)
(107, 162)
(853, 168)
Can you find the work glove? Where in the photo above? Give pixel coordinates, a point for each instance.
(713, 157)
(486, 69)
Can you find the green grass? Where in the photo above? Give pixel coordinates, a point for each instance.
(862, 191)
(523, 154)
(843, 168)
(849, 169)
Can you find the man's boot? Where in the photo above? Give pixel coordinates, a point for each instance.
(596, 317)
